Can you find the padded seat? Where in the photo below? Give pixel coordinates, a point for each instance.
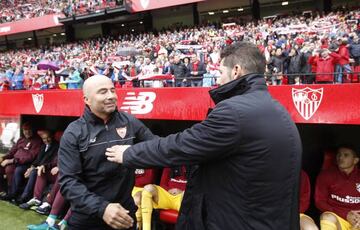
(168, 216)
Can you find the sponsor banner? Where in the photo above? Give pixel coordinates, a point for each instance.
(142, 5)
(317, 104)
(31, 24)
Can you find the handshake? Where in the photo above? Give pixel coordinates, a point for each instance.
(115, 153)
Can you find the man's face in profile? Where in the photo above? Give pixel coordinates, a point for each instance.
(226, 74)
(346, 158)
(27, 133)
(46, 138)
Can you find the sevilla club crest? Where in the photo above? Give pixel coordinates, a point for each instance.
(145, 4)
(121, 132)
(358, 187)
(307, 101)
(38, 100)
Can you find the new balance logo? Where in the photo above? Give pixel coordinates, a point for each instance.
(140, 104)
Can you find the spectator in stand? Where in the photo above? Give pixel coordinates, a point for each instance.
(95, 52)
(179, 70)
(74, 80)
(276, 67)
(133, 72)
(42, 166)
(294, 66)
(354, 48)
(343, 63)
(17, 161)
(306, 222)
(325, 61)
(337, 192)
(186, 61)
(4, 81)
(308, 74)
(166, 196)
(355, 55)
(196, 71)
(17, 79)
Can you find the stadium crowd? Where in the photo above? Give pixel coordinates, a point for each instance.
(24, 9)
(299, 49)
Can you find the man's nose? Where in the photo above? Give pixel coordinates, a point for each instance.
(111, 95)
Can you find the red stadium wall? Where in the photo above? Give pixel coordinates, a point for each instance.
(142, 5)
(32, 24)
(314, 104)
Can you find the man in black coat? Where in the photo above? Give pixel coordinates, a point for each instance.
(179, 70)
(99, 191)
(248, 152)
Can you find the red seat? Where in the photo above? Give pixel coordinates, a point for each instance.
(168, 216)
(329, 160)
(58, 135)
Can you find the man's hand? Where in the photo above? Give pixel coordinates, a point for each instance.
(115, 153)
(7, 162)
(54, 171)
(175, 191)
(28, 171)
(354, 219)
(40, 170)
(117, 217)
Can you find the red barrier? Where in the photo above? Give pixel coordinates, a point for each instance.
(142, 5)
(318, 104)
(31, 24)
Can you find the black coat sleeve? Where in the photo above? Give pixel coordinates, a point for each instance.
(142, 133)
(71, 181)
(214, 138)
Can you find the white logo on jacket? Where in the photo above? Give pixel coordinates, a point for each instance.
(307, 101)
(38, 100)
(139, 171)
(121, 132)
(140, 104)
(358, 187)
(92, 140)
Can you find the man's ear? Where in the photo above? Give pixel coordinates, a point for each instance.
(86, 100)
(356, 161)
(236, 72)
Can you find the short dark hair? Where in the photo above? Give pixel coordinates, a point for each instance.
(348, 146)
(244, 54)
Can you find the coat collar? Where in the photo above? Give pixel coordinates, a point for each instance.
(237, 87)
(91, 117)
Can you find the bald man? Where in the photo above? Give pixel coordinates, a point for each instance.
(99, 191)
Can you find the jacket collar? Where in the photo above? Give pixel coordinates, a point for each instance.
(352, 174)
(237, 87)
(91, 117)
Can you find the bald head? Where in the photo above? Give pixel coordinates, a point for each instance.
(91, 83)
(100, 96)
